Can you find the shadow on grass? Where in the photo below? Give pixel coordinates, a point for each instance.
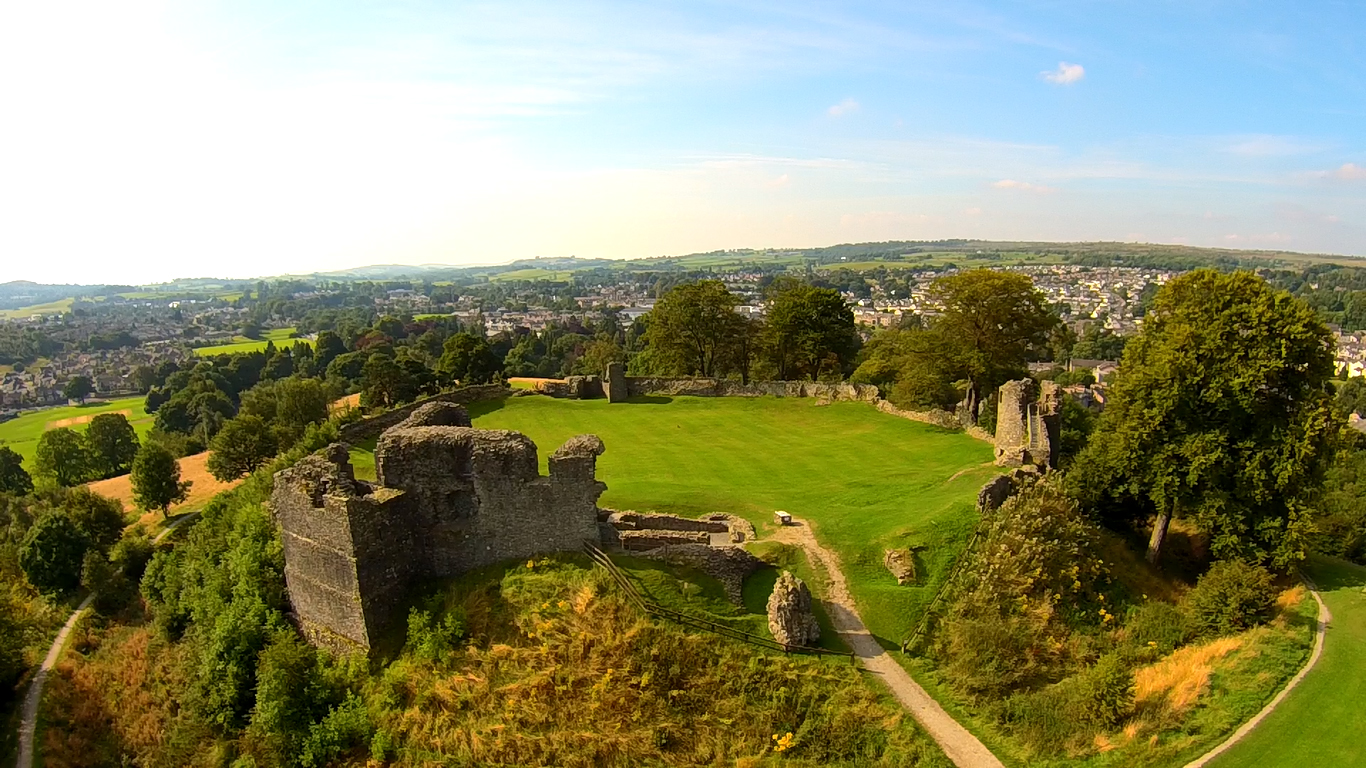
(485, 407)
(650, 400)
(1332, 574)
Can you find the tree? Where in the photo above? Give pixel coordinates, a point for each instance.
(144, 378)
(113, 444)
(78, 388)
(994, 320)
(13, 478)
(64, 456)
(1221, 413)
(99, 519)
(328, 346)
(468, 359)
(52, 552)
(597, 356)
(1351, 396)
(385, 383)
(243, 445)
(693, 326)
(300, 402)
(810, 330)
(156, 479)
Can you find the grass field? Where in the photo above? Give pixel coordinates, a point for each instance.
(22, 434)
(866, 481)
(203, 486)
(1322, 722)
(51, 308)
(280, 336)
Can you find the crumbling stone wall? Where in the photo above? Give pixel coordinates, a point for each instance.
(1028, 420)
(615, 382)
(790, 617)
(373, 426)
(449, 498)
(638, 386)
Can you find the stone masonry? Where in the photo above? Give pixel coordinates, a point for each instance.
(1027, 424)
(449, 498)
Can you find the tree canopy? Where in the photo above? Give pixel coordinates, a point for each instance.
(1221, 413)
(693, 327)
(156, 479)
(243, 444)
(113, 444)
(13, 478)
(810, 331)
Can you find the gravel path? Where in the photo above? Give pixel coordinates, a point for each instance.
(958, 744)
(28, 722)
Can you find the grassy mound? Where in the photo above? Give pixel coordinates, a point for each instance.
(547, 665)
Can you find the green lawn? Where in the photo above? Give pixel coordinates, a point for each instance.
(280, 336)
(22, 433)
(51, 308)
(1322, 722)
(866, 480)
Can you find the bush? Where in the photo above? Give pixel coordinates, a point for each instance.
(433, 639)
(111, 590)
(13, 628)
(1157, 625)
(1105, 693)
(1231, 597)
(131, 555)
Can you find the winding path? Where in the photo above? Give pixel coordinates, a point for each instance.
(28, 722)
(958, 744)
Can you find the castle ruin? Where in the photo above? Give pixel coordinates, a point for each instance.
(1028, 420)
(448, 499)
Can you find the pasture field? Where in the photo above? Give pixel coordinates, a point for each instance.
(1322, 721)
(50, 308)
(22, 434)
(865, 480)
(203, 486)
(280, 336)
(535, 273)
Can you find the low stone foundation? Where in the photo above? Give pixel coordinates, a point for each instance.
(728, 565)
(642, 541)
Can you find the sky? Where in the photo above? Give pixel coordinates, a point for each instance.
(140, 142)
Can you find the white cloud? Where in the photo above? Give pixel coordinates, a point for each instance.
(843, 108)
(1270, 146)
(974, 211)
(1065, 74)
(1351, 172)
(1024, 186)
(781, 181)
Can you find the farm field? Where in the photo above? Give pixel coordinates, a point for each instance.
(22, 434)
(50, 308)
(1322, 721)
(280, 336)
(865, 480)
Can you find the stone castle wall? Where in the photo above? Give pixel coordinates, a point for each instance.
(374, 425)
(1028, 423)
(449, 499)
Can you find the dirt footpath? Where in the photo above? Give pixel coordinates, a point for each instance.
(958, 744)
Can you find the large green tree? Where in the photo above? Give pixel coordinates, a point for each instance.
(994, 322)
(63, 455)
(809, 331)
(693, 327)
(113, 444)
(1221, 413)
(469, 359)
(156, 479)
(13, 478)
(243, 444)
(51, 553)
(78, 388)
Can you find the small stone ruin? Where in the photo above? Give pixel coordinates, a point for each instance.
(790, 617)
(901, 564)
(1028, 420)
(706, 543)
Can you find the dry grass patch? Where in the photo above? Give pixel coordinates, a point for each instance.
(84, 419)
(1183, 676)
(203, 487)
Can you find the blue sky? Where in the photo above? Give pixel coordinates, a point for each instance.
(148, 141)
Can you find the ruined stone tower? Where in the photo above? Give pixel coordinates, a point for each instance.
(1027, 424)
(449, 498)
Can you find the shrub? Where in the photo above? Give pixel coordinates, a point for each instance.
(344, 728)
(13, 628)
(1159, 625)
(1232, 596)
(112, 591)
(433, 639)
(1105, 692)
(131, 555)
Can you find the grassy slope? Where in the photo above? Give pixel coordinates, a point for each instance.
(1322, 721)
(866, 480)
(281, 337)
(22, 434)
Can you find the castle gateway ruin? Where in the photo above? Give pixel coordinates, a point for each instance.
(448, 499)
